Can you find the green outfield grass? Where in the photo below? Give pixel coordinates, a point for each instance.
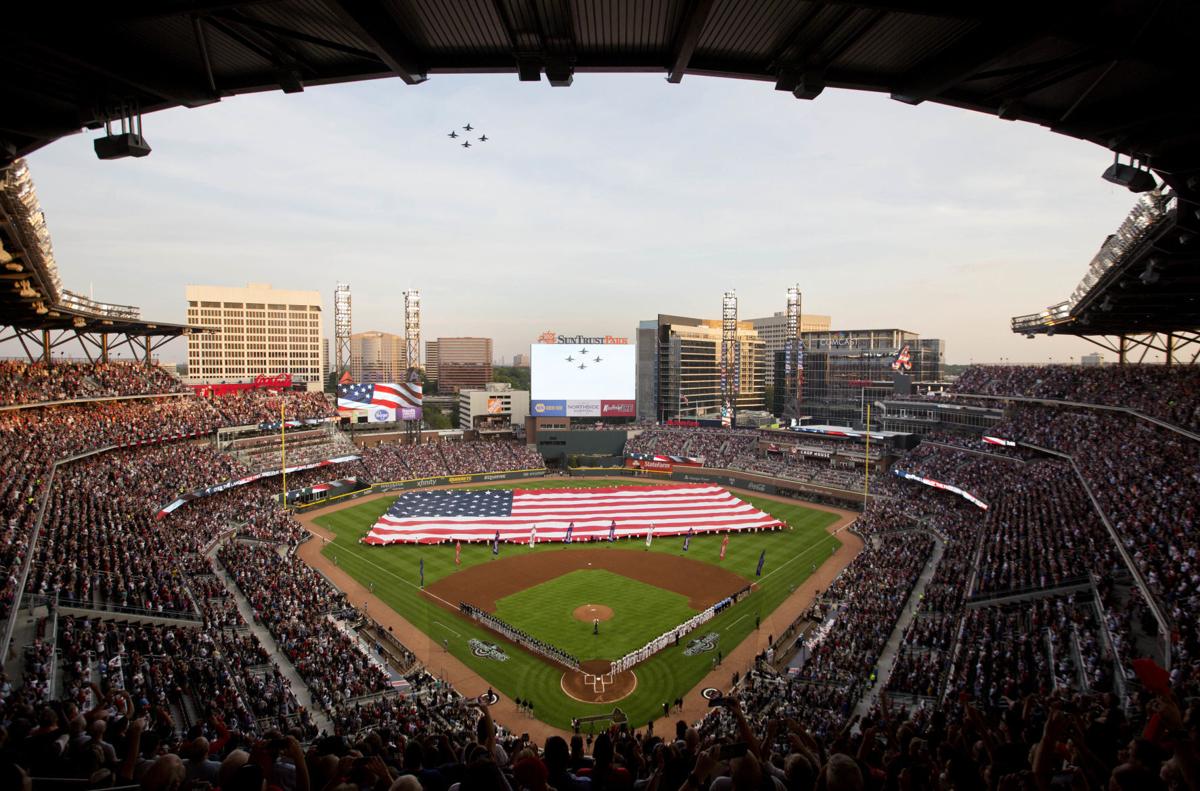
(641, 612)
(791, 554)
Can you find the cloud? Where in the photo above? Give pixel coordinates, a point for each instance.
(592, 208)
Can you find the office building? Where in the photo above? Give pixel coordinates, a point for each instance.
(773, 332)
(679, 368)
(461, 363)
(377, 357)
(520, 360)
(431, 360)
(260, 330)
(492, 408)
(845, 370)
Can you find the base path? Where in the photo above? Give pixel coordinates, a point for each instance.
(466, 681)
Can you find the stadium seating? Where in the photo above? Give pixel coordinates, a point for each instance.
(963, 646)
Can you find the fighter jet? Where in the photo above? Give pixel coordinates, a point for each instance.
(452, 133)
(583, 351)
(597, 359)
(468, 127)
(582, 366)
(466, 144)
(483, 138)
(570, 359)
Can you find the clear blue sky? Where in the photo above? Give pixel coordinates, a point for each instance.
(593, 207)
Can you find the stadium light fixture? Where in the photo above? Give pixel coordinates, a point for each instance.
(1129, 176)
(128, 142)
(1150, 276)
(1107, 304)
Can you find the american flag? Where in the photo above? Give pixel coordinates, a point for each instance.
(381, 394)
(476, 515)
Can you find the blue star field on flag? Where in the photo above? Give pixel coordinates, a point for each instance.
(484, 503)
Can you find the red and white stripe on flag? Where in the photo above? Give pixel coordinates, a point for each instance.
(672, 510)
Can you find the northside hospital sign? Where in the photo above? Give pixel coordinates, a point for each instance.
(551, 337)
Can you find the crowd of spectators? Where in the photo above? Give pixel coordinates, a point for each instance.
(1168, 393)
(395, 462)
(254, 407)
(24, 382)
(297, 605)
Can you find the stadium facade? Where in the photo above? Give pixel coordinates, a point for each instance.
(495, 407)
(260, 330)
(679, 368)
(377, 357)
(844, 370)
(773, 331)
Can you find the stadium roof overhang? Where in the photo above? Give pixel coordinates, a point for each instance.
(1154, 287)
(1119, 73)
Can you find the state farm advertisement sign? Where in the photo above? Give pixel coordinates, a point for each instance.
(618, 408)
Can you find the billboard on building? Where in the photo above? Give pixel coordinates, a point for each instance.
(495, 406)
(583, 377)
(381, 402)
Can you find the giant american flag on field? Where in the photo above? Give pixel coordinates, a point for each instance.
(465, 515)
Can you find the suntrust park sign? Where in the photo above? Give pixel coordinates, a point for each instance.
(551, 337)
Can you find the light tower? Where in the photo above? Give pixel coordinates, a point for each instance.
(412, 329)
(730, 374)
(793, 357)
(341, 329)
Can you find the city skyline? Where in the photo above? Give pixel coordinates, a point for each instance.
(590, 204)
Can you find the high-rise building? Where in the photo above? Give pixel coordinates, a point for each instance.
(844, 370)
(520, 360)
(431, 360)
(377, 357)
(260, 330)
(679, 368)
(773, 331)
(462, 363)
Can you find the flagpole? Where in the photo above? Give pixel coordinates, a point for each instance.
(867, 479)
(283, 445)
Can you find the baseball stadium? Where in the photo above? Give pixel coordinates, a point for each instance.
(636, 579)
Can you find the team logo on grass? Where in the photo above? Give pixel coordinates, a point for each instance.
(701, 644)
(487, 650)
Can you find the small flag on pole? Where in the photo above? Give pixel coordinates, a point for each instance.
(612, 531)
(762, 558)
(724, 546)
(687, 540)
(570, 530)
(496, 544)
(422, 572)
(458, 553)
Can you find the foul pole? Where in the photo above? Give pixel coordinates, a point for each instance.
(867, 479)
(283, 445)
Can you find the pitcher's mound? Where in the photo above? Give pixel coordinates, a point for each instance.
(592, 612)
(597, 689)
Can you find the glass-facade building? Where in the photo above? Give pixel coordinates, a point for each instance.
(845, 370)
(679, 368)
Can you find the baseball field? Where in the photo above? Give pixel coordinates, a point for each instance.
(564, 594)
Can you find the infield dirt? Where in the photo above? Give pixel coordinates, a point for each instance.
(486, 583)
(469, 682)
